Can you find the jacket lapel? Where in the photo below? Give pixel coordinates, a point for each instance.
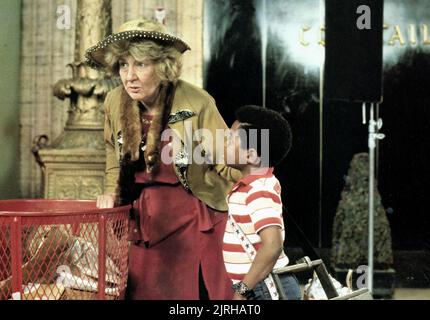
(182, 110)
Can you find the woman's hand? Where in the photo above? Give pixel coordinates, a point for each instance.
(105, 201)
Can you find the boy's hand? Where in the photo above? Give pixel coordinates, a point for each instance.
(267, 255)
(237, 296)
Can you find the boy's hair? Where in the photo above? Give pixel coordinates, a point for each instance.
(259, 118)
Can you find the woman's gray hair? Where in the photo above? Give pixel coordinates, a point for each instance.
(167, 59)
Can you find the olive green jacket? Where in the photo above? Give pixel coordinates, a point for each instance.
(192, 107)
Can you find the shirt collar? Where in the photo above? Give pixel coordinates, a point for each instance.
(256, 174)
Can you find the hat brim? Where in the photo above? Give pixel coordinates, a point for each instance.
(94, 56)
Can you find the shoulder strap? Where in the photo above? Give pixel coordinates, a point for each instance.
(251, 252)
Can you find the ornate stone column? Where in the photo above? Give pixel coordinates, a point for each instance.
(74, 164)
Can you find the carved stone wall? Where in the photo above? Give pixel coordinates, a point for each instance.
(47, 49)
(45, 52)
(69, 176)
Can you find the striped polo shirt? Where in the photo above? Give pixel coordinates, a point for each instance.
(255, 203)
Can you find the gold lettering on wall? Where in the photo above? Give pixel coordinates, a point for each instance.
(303, 42)
(425, 34)
(412, 34)
(322, 36)
(401, 35)
(397, 36)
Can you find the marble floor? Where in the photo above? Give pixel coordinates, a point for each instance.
(411, 294)
(405, 293)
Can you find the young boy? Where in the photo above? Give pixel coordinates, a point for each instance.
(255, 205)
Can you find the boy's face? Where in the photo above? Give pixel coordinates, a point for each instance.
(235, 156)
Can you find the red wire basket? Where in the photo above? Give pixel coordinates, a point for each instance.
(62, 250)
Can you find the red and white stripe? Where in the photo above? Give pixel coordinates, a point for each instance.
(254, 207)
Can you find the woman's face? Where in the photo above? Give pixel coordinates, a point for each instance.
(139, 79)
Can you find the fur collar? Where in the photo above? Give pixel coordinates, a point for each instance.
(133, 158)
(131, 125)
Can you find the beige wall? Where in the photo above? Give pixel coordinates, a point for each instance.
(10, 37)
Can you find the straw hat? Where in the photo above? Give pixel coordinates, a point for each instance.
(139, 29)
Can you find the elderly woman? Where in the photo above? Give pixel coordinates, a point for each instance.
(178, 214)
